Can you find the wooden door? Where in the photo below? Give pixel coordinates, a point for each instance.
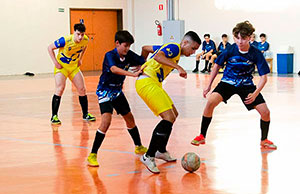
(101, 26)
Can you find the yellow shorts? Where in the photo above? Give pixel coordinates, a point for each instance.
(153, 95)
(68, 72)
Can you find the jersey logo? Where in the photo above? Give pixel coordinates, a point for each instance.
(170, 53)
(66, 59)
(160, 75)
(58, 43)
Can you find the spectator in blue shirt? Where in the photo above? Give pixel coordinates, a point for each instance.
(224, 45)
(208, 49)
(253, 42)
(263, 46)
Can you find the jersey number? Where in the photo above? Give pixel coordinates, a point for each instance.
(161, 75)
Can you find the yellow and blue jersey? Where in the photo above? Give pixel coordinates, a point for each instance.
(159, 71)
(69, 51)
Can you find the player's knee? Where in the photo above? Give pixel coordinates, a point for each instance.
(211, 104)
(60, 90)
(82, 91)
(105, 125)
(170, 118)
(265, 114)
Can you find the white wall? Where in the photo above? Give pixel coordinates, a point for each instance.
(277, 18)
(28, 27)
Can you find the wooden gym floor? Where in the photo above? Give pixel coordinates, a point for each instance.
(38, 158)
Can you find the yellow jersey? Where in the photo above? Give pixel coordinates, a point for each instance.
(159, 71)
(69, 51)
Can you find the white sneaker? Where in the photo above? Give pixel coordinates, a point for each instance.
(149, 162)
(165, 156)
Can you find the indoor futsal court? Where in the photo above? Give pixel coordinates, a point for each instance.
(44, 154)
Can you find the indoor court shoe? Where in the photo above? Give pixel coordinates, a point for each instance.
(195, 70)
(92, 160)
(203, 71)
(149, 162)
(140, 149)
(267, 144)
(164, 156)
(89, 117)
(198, 140)
(55, 120)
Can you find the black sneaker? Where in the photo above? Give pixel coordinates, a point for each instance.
(203, 71)
(89, 117)
(195, 70)
(55, 120)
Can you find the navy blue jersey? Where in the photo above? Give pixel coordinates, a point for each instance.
(263, 46)
(221, 46)
(206, 47)
(254, 43)
(239, 67)
(110, 81)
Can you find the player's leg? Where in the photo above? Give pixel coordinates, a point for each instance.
(222, 92)
(198, 56)
(162, 152)
(212, 102)
(122, 107)
(264, 125)
(106, 115)
(78, 82)
(60, 84)
(160, 104)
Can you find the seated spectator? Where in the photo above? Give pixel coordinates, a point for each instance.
(208, 49)
(222, 46)
(253, 42)
(263, 46)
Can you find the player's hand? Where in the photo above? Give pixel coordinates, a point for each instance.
(250, 98)
(205, 91)
(58, 66)
(135, 68)
(139, 71)
(182, 72)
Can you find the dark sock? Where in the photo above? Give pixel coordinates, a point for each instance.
(55, 104)
(159, 136)
(84, 104)
(98, 141)
(209, 66)
(163, 146)
(264, 125)
(204, 125)
(206, 63)
(135, 135)
(197, 66)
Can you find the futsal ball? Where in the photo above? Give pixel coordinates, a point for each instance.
(190, 162)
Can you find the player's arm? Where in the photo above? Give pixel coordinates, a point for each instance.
(51, 49)
(252, 96)
(81, 56)
(146, 50)
(116, 70)
(213, 74)
(161, 58)
(263, 70)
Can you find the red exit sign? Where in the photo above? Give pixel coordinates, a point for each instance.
(161, 7)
